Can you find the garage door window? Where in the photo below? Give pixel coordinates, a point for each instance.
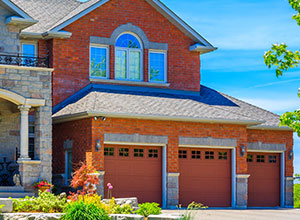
(260, 158)
(272, 159)
(196, 154)
(222, 155)
(123, 152)
(139, 152)
(108, 151)
(249, 158)
(209, 155)
(183, 154)
(153, 153)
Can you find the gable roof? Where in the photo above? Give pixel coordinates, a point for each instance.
(15, 8)
(54, 15)
(208, 106)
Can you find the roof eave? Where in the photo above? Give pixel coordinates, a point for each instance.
(46, 35)
(265, 127)
(20, 22)
(202, 49)
(88, 114)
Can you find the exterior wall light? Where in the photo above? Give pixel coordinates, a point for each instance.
(291, 154)
(243, 150)
(98, 146)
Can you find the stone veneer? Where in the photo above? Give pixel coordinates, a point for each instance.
(289, 192)
(242, 191)
(173, 190)
(31, 83)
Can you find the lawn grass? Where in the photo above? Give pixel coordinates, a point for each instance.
(297, 196)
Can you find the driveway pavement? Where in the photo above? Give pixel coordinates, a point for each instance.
(249, 214)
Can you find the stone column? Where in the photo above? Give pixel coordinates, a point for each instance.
(24, 109)
(172, 190)
(242, 191)
(100, 186)
(289, 192)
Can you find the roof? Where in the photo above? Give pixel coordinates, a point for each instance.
(54, 15)
(163, 104)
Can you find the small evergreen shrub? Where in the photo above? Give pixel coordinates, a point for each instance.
(147, 209)
(297, 196)
(84, 211)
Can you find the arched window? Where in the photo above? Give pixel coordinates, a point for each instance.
(128, 58)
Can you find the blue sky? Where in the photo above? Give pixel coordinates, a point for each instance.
(243, 30)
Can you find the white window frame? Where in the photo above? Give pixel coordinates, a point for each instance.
(106, 47)
(30, 43)
(141, 50)
(165, 53)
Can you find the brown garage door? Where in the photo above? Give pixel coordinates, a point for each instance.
(205, 177)
(264, 180)
(134, 171)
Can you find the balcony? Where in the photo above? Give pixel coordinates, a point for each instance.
(23, 60)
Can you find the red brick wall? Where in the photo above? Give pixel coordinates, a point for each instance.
(80, 134)
(86, 132)
(275, 137)
(71, 57)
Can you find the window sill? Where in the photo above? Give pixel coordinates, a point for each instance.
(129, 82)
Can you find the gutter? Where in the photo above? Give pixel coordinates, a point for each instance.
(89, 114)
(265, 127)
(202, 49)
(46, 35)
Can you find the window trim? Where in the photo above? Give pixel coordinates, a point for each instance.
(34, 43)
(141, 50)
(165, 53)
(106, 47)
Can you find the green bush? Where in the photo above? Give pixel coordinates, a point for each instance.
(297, 196)
(46, 202)
(147, 209)
(84, 211)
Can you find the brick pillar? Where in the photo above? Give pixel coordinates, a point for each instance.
(172, 190)
(289, 192)
(242, 191)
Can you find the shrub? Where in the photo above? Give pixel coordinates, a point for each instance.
(192, 206)
(1, 206)
(46, 202)
(84, 211)
(147, 209)
(297, 196)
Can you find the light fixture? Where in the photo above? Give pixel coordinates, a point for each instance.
(100, 117)
(291, 154)
(243, 150)
(98, 146)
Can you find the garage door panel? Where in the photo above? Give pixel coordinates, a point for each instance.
(206, 179)
(138, 173)
(264, 180)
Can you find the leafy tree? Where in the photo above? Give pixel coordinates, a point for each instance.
(284, 59)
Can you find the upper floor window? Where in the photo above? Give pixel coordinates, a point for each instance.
(29, 53)
(128, 58)
(99, 65)
(157, 67)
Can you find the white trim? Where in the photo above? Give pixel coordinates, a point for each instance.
(128, 50)
(282, 178)
(66, 167)
(204, 146)
(106, 47)
(164, 177)
(134, 143)
(16, 9)
(165, 53)
(266, 151)
(233, 178)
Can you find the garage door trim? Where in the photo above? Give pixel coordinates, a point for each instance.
(233, 167)
(164, 164)
(282, 172)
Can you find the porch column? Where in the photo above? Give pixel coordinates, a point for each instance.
(24, 109)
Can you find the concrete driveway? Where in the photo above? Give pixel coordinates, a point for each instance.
(249, 214)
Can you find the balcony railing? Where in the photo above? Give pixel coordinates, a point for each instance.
(23, 60)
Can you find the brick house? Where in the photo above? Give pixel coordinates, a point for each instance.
(127, 99)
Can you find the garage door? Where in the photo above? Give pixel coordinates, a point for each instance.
(264, 180)
(205, 177)
(134, 171)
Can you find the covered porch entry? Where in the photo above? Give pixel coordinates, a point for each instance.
(20, 163)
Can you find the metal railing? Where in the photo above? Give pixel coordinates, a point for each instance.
(23, 60)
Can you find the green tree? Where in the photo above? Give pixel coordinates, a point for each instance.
(283, 59)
